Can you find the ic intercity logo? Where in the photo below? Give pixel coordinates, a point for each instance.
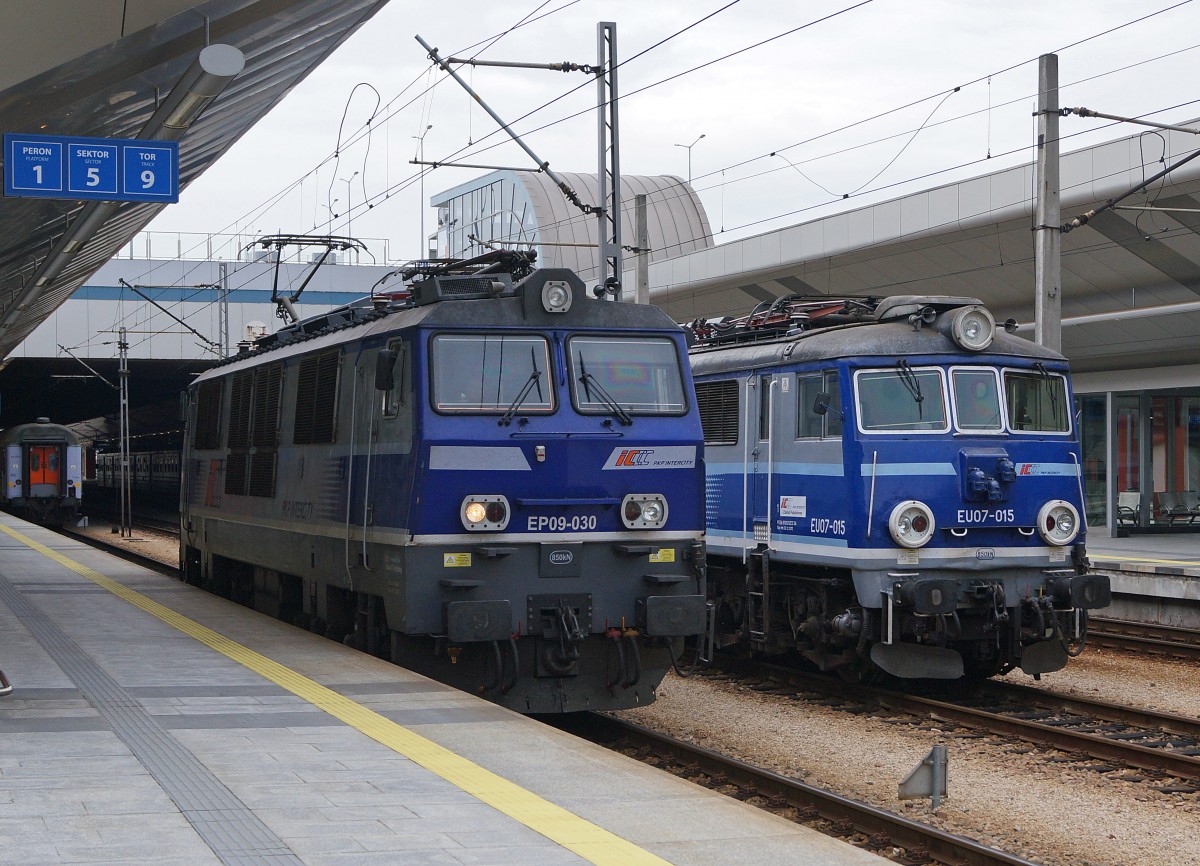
(661, 457)
(635, 457)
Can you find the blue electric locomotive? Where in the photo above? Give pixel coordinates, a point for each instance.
(43, 472)
(495, 482)
(892, 486)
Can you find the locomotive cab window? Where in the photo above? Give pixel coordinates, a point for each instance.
(637, 375)
(976, 394)
(396, 396)
(811, 424)
(492, 373)
(1037, 401)
(901, 399)
(764, 408)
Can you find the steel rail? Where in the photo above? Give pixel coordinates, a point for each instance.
(914, 836)
(1161, 640)
(1096, 746)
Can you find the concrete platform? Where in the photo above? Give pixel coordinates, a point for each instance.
(151, 722)
(1175, 553)
(1155, 578)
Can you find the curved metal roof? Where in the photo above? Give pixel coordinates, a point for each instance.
(111, 90)
(677, 223)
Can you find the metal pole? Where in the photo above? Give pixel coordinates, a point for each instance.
(642, 294)
(123, 434)
(608, 175)
(1047, 224)
(423, 248)
(223, 307)
(689, 150)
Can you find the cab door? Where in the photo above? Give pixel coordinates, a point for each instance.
(761, 396)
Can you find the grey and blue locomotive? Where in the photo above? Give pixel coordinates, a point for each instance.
(43, 472)
(892, 485)
(497, 482)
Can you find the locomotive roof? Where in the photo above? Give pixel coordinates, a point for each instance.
(869, 339)
(39, 431)
(513, 311)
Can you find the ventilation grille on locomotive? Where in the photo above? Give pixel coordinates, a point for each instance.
(718, 404)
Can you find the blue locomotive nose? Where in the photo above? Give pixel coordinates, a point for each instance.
(893, 483)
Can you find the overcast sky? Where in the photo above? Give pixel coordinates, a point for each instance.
(840, 95)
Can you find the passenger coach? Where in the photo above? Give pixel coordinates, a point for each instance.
(43, 472)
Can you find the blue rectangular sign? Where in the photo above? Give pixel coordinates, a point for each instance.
(108, 169)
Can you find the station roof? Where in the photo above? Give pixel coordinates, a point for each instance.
(97, 69)
(1130, 278)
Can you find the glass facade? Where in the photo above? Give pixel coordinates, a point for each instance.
(498, 212)
(1141, 460)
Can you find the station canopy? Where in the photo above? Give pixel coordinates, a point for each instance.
(102, 69)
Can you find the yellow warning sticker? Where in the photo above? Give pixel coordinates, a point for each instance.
(456, 560)
(664, 554)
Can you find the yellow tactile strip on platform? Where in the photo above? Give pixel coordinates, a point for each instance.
(593, 843)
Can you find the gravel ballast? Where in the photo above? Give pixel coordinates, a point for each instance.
(1025, 800)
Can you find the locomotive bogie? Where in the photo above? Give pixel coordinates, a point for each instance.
(899, 490)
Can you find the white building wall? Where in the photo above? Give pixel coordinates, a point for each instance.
(89, 322)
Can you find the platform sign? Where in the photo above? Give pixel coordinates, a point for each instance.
(108, 169)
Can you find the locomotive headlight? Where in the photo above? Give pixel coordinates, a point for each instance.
(644, 510)
(556, 296)
(973, 328)
(484, 513)
(911, 524)
(1058, 522)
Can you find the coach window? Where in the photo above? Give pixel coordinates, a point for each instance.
(811, 424)
(976, 394)
(491, 373)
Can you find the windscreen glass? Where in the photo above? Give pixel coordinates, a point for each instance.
(1037, 402)
(903, 399)
(976, 400)
(639, 375)
(485, 373)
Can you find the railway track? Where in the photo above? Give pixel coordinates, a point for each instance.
(1158, 640)
(123, 550)
(886, 833)
(1164, 746)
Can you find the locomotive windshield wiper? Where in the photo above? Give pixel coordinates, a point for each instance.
(909, 379)
(589, 382)
(1041, 368)
(535, 378)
